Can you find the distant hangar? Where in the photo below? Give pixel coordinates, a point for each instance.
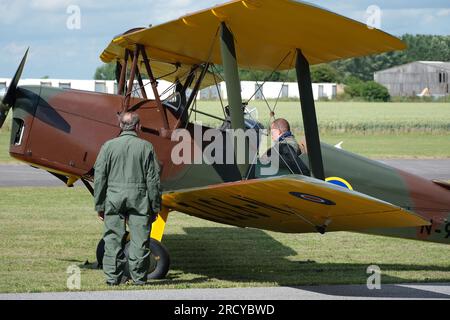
(420, 78)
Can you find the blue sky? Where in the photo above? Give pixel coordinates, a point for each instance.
(60, 52)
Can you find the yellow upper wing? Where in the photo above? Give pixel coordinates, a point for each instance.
(266, 33)
(293, 204)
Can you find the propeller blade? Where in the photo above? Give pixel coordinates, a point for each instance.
(10, 97)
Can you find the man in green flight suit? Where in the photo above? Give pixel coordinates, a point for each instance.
(127, 188)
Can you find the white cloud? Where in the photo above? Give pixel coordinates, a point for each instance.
(13, 49)
(181, 3)
(443, 13)
(11, 11)
(50, 5)
(426, 20)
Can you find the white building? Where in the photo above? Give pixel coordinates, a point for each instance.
(250, 89)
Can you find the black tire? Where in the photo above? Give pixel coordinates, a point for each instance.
(100, 251)
(159, 259)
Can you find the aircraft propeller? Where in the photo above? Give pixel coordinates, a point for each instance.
(10, 96)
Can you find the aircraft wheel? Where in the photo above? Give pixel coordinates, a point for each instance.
(100, 252)
(159, 259)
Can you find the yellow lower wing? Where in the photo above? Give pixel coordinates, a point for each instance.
(293, 204)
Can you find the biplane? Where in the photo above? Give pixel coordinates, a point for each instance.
(61, 131)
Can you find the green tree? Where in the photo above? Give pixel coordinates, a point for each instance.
(369, 91)
(324, 73)
(106, 72)
(353, 86)
(420, 47)
(373, 91)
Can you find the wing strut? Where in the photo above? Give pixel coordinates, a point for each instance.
(154, 84)
(134, 68)
(123, 73)
(231, 75)
(309, 116)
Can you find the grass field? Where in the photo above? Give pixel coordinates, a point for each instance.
(376, 130)
(4, 147)
(45, 230)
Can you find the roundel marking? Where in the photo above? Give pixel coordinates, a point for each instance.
(339, 182)
(312, 198)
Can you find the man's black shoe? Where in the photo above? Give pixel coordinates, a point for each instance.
(111, 284)
(133, 283)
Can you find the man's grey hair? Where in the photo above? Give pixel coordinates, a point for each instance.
(129, 121)
(281, 124)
